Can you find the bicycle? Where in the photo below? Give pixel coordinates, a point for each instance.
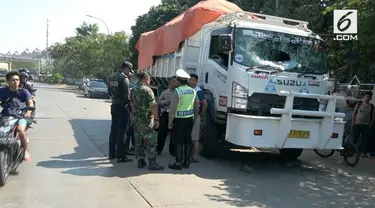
(350, 150)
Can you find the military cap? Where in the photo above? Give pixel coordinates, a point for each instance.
(127, 64)
(181, 74)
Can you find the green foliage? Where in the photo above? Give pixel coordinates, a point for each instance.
(89, 53)
(55, 78)
(87, 30)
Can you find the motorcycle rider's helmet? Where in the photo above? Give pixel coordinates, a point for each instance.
(24, 74)
(24, 70)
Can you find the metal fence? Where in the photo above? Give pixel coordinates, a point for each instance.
(354, 90)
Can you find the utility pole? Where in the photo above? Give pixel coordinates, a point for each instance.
(47, 35)
(277, 8)
(47, 58)
(100, 21)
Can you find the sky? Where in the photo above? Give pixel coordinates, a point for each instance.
(24, 22)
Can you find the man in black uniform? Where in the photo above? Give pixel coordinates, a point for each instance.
(119, 91)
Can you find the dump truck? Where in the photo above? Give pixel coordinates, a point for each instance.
(4, 68)
(265, 79)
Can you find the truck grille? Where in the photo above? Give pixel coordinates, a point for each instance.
(260, 104)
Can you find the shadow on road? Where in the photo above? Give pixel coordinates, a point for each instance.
(242, 179)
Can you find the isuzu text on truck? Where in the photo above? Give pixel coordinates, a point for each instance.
(266, 82)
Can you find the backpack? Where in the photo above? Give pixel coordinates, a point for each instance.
(371, 112)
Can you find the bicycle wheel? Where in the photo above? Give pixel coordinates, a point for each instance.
(351, 154)
(324, 153)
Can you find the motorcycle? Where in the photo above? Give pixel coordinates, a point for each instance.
(11, 152)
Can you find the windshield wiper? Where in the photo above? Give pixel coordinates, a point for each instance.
(276, 71)
(266, 67)
(301, 74)
(307, 70)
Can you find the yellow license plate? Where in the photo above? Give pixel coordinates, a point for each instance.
(297, 134)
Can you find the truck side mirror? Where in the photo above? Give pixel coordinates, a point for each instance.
(225, 42)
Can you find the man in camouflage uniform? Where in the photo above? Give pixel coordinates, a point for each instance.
(145, 121)
(129, 137)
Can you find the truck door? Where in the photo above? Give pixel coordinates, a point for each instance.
(215, 68)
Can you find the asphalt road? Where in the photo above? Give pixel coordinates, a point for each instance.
(69, 169)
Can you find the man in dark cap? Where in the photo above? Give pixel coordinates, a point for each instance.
(119, 87)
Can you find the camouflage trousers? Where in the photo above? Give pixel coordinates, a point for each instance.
(145, 140)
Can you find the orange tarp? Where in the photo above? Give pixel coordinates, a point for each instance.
(167, 38)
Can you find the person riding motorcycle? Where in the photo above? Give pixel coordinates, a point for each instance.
(13, 98)
(26, 84)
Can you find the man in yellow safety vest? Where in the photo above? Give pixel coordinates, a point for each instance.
(183, 109)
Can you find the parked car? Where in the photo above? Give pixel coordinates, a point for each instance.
(96, 89)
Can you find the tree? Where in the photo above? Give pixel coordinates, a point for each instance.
(87, 29)
(349, 65)
(89, 53)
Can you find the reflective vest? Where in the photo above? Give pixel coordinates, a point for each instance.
(185, 105)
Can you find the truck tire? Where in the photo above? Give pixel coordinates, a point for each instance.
(209, 132)
(290, 154)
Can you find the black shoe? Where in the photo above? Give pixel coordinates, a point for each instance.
(153, 165)
(124, 160)
(141, 163)
(111, 157)
(130, 152)
(175, 166)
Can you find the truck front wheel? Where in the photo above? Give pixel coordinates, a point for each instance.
(290, 154)
(209, 132)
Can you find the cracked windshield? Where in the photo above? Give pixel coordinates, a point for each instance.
(141, 104)
(280, 51)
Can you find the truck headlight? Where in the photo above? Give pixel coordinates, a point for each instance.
(239, 91)
(240, 103)
(239, 96)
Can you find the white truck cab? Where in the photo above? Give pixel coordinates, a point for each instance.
(266, 83)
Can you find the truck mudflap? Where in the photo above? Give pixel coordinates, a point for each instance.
(287, 132)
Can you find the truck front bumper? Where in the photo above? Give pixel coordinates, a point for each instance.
(267, 132)
(286, 131)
